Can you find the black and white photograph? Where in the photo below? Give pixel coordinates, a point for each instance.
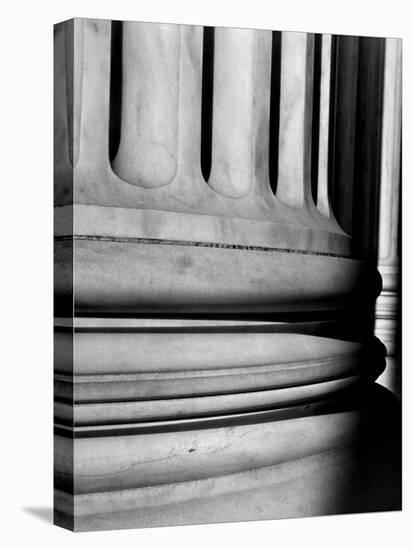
(226, 274)
(206, 230)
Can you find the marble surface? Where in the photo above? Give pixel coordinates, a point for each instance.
(323, 463)
(139, 277)
(212, 354)
(296, 97)
(240, 139)
(388, 322)
(147, 154)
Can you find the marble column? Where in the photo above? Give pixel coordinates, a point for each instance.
(295, 119)
(344, 129)
(241, 100)
(387, 324)
(147, 153)
(208, 366)
(324, 200)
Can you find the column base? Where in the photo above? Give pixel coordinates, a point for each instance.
(348, 462)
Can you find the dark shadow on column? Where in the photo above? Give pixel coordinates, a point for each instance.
(274, 109)
(373, 467)
(207, 101)
(317, 73)
(115, 88)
